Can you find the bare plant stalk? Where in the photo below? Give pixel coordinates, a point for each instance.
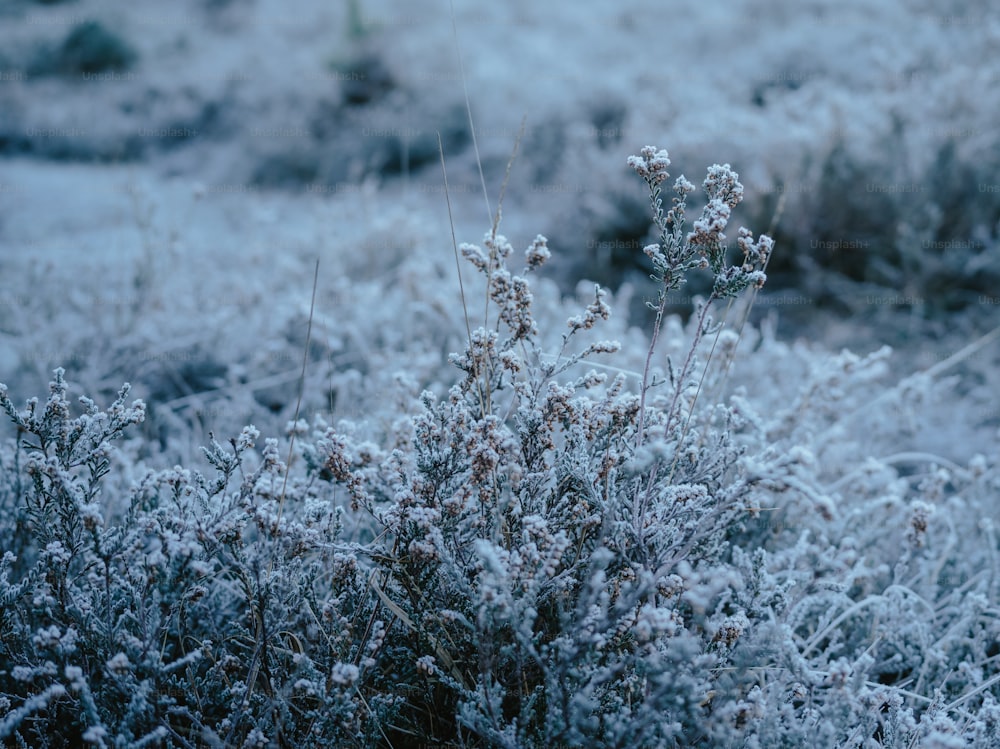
(699, 333)
(640, 428)
(495, 225)
(468, 111)
(458, 270)
(298, 404)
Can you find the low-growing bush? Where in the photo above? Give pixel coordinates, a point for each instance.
(910, 226)
(709, 549)
(90, 47)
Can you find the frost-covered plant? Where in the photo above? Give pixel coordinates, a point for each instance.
(547, 539)
(914, 225)
(751, 549)
(193, 615)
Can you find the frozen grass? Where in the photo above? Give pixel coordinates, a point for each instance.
(729, 541)
(818, 100)
(703, 537)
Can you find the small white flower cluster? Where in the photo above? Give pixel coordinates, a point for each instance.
(596, 310)
(654, 622)
(426, 665)
(704, 246)
(344, 675)
(651, 164)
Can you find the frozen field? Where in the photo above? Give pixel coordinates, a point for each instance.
(170, 174)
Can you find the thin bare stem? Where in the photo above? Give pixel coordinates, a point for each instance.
(468, 110)
(701, 382)
(298, 405)
(495, 224)
(686, 368)
(778, 211)
(458, 271)
(640, 429)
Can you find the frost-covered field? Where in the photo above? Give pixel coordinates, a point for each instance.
(768, 521)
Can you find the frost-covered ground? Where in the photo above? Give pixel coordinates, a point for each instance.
(171, 173)
(224, 153)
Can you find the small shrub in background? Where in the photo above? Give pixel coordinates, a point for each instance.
(915, 223)
(713, 551)
(90, 47)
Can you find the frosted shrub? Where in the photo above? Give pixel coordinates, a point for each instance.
(547, 536)
(153, 626)
(718, 549)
